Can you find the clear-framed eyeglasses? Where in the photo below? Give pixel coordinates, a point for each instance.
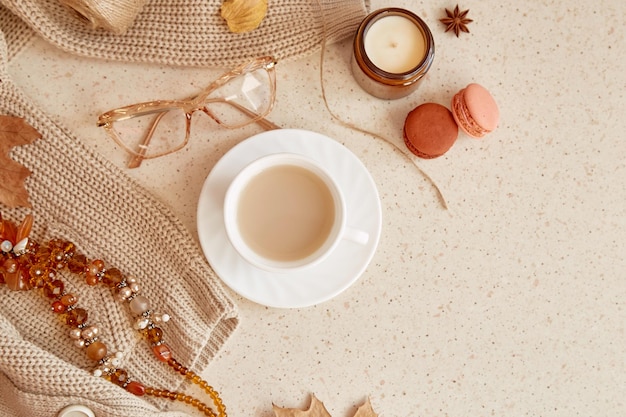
(238, 98)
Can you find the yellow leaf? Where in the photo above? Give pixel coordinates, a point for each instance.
(243, 15)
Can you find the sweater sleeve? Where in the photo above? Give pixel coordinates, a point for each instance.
(192, 33)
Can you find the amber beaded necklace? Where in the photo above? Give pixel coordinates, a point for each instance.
(26, 264)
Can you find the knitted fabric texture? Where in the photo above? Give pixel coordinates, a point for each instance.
(189, 32)
(78, 195)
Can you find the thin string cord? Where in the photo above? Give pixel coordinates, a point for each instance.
(352, 126)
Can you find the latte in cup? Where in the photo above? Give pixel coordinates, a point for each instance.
(285, 213)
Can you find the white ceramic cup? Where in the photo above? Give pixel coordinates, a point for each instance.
(282, 210)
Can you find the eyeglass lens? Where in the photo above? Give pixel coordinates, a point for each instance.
(242, 99)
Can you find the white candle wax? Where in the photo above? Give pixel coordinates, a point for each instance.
(395, 44)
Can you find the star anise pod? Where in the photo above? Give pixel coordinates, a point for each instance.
(456, 21)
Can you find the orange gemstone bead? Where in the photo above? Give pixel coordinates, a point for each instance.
(119, 377)
(57, 256)
(93, 271)
(96, 351)
(53, 289)
(95, 267)
(91, 279)
(112, 277)
(58, 307)
(77, 264)
(162, 352)
(37, 282)
(174, 364)
(154, 335)
(76, 317)
(38, 270)
(69, 300)
(136, 388)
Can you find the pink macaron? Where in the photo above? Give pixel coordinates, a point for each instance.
(475, 110)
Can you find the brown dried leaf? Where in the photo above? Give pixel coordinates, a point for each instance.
(243, 15)
(14, 131)
(317, 409)
(366, 410)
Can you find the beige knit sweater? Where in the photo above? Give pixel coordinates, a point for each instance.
(78, 195)
(188, 32)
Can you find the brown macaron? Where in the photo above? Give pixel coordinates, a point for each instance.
(430, 130)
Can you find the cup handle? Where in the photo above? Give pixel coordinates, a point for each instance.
(356, 236)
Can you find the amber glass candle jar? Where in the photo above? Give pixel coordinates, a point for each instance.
(393, 50)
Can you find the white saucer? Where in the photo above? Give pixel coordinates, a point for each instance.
(317, 283)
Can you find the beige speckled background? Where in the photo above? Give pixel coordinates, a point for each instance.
(512, 303)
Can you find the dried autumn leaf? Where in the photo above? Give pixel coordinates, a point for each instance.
(317, 409)
(243, 15)
(14, 131)
(366, 410)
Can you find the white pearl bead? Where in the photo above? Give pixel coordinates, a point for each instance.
(97, 372)
(161, 318)
(141, 323)
(75, 333)
(125, 292)
(6, 246)
(79, 343)
(89, 332)
(119, 355)
(134, 287)
(130, 279)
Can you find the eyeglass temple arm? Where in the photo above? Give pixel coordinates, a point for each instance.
(263, 122)
(138, 158)
(267, 124)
